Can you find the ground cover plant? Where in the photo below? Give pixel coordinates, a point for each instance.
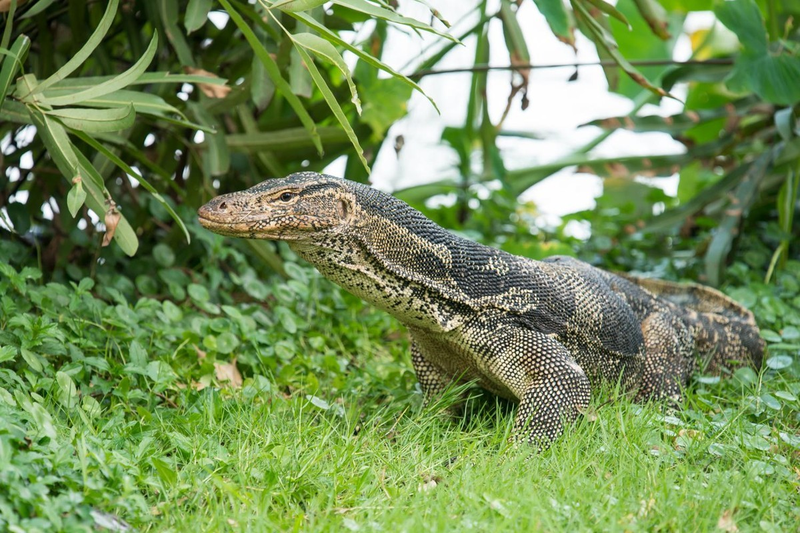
(214, 400)
(174, 380)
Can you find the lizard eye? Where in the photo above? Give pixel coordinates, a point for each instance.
(285, 197)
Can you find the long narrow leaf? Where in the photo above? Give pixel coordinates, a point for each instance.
(296, 5)
(86, 82)
(12, 62)
(39, 7)
(282, 140)
(217, 159)
(119, 82)
(608, 9)
(124, 235)
(168, 9)
(145, 103)
(196, 14)
(96, 120)
(86, 50)
(323, 48)
(370, 60)
(274, 73)
(388, 15)
(727, 230)
(605, 42)
(13, 111)
(131, 172)
(319, 81)
(72, 163)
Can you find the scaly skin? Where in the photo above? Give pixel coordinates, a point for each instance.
(542, 333)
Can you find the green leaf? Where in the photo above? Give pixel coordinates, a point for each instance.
(119, 82)
(95, 120)
(555, 13)
(385, 102)
(274, 73)
(775, 78)
(143, 182)
(299, 78)
(12, 62)
(76, 197)
(608, 9)
(771, 401)
(7, 353)
(281, 140)
(370, 60)
(168, 12)
(196, 14)
(216, 159)
(34, 360)
(227, 342)
(297, 5)
(744, 19)
(86, 50)
(125, 237)
(744, 195)
(779, 362)
(388, 15)
(57, 143)
(605, 42)
(68, 393)
(145, 103)
(323, 48)
(656, 17)
(12, 10)
(515, 39)
(322, 85)
(37, 8)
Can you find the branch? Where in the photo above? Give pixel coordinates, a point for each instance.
(642, 63)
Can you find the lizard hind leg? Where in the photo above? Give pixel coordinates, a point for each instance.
(669, 358)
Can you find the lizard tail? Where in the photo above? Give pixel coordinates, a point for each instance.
(725, 332)
(727, 343)
(694, 296)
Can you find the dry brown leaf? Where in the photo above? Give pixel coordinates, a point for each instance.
(5, 5)
(726, 522)
(228, 372)
(209, 89)
(111, 221)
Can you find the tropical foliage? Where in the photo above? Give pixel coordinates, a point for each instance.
(156, 374)
(154, 95)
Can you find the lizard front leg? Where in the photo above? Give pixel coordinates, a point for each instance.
(551, 387)
(431, 379)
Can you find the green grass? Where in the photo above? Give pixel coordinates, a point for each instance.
(100, 410)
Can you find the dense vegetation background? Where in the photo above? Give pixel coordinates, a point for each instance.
(156, 374)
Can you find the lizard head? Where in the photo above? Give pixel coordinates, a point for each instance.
(295, 208)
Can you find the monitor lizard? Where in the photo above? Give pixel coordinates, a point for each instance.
(545, 334)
